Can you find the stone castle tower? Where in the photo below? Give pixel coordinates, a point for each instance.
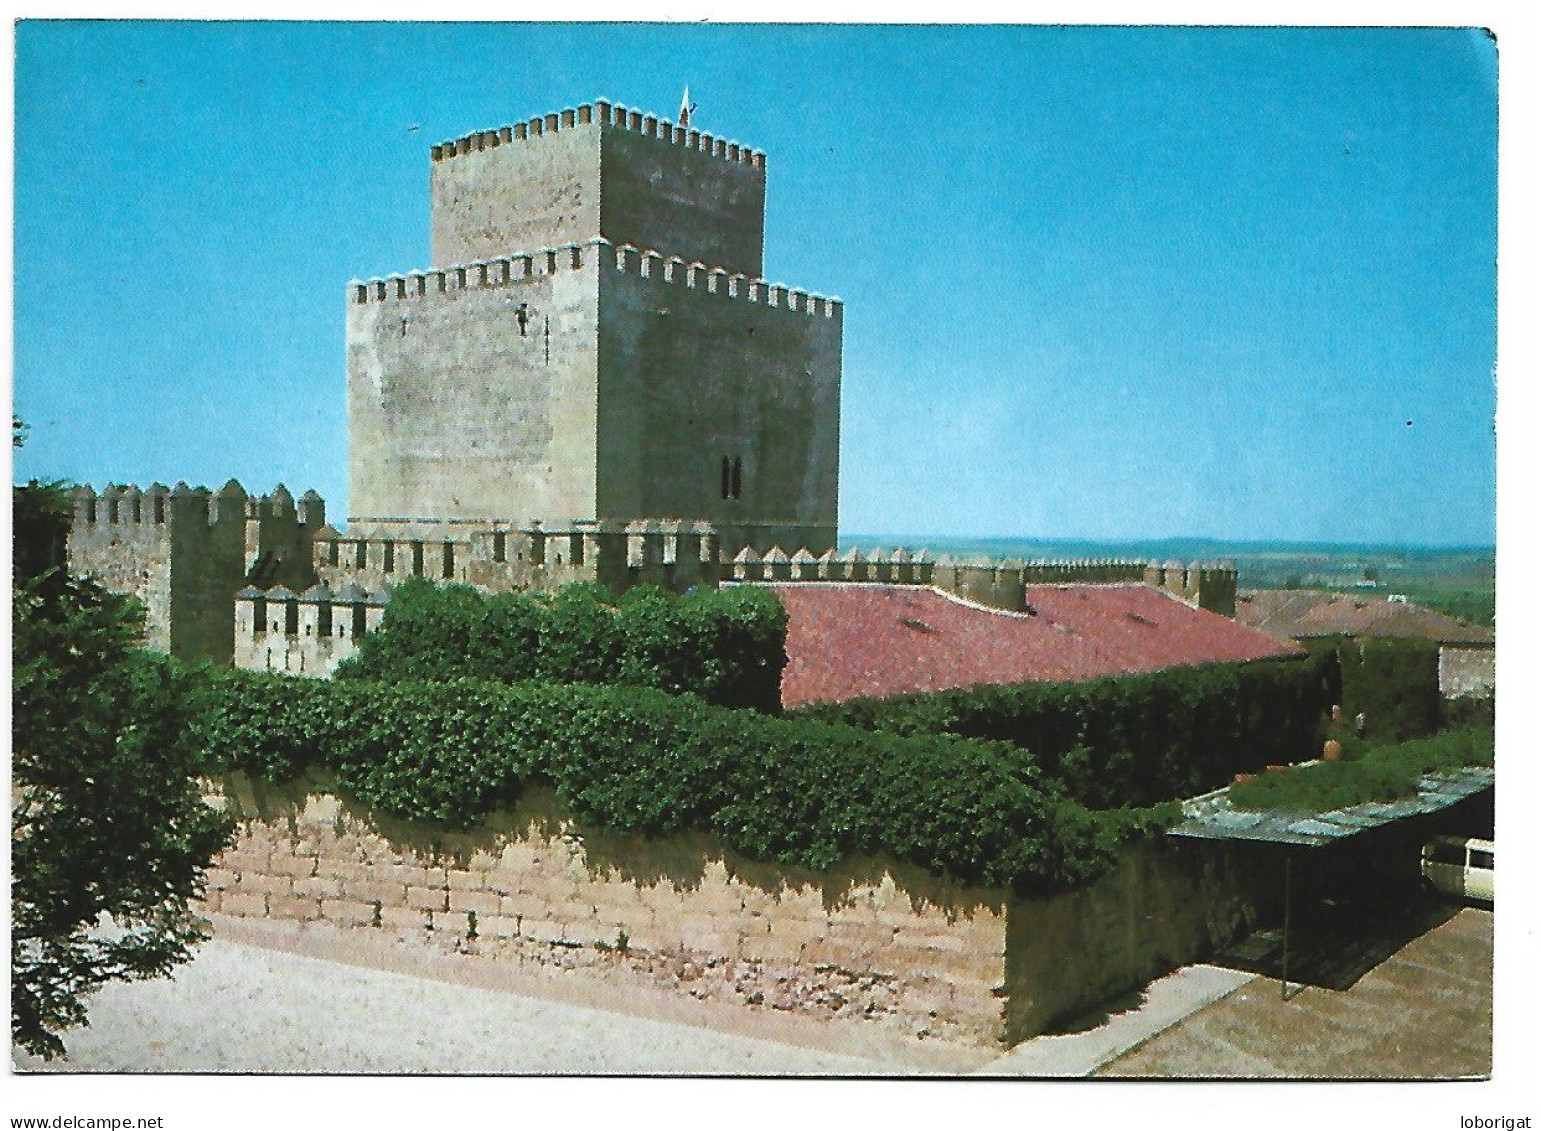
(595, 344)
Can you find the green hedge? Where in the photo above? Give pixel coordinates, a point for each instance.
(728, 646)
(1393, 683)
(1384, 773)
(1129, 740)
(639, 761)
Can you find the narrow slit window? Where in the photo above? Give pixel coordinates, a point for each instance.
(499, 546)
(738, 478)
(390, 557)
(359, 627)
(291, 618)
(727, 478)
(449, 559)
(417, 559)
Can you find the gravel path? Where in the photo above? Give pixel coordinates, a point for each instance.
(280, 1012)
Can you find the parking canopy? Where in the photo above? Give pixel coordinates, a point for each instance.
(1211, 817)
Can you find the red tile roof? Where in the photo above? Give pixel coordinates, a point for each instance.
(1311, 612)
(847, 640)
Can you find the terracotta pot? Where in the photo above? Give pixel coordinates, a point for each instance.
(1332, 750)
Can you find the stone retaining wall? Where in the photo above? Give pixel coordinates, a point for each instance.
(871, 941)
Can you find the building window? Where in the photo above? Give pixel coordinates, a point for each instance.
(499, 546)
(738, 478)
(291, 618)
(449, 559)
(727, 478)
(323, 618)
(259, 615)
(417, 559)
(359, 627)
(390, 557)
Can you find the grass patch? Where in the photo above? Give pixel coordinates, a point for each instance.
(1385, 773)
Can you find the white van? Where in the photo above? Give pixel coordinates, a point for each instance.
(1459, 866)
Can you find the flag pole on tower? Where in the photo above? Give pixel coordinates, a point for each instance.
(687, 107)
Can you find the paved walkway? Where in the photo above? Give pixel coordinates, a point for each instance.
(1163, 1003)
(1426, 1012)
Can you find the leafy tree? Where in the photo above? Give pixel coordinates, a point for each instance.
(110, 837)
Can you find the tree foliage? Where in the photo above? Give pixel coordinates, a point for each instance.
(110, 835)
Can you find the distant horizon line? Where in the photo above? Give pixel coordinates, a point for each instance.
(1293, 543)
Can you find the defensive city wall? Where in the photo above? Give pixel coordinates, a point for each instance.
(185, 551)
(870, 941)
(264, 582)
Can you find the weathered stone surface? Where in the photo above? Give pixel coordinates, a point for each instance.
(482, 902)
(428, 899)
(905, 949)
(348, 912)
(258, 882)
(243, 903)
(320, 887)
(292, 866)
(289, 907)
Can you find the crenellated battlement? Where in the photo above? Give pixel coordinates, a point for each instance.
(655, 266)
(306, 633)
(183, 551)
(998, 584)
(311, 631)
(505, 271)
(644, 263)
(606, 115)
(1209, 585)
(121, 507)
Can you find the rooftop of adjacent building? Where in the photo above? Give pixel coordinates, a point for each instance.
(1291, 613)
(851, 640)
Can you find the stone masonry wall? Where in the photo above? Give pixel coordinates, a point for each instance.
(129, 558)
(598, 170)
(471, 391)
(698, 366)
(869, 942)
(874, 943)
(1466, 670)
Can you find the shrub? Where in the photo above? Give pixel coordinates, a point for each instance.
(728, 646)
(1385, 773)
(636, 760)
(1128, 740)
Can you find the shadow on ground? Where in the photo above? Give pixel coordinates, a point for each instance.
(1125, 1003)
(1333, 943)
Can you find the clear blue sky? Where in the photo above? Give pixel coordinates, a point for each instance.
(1100, 283)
